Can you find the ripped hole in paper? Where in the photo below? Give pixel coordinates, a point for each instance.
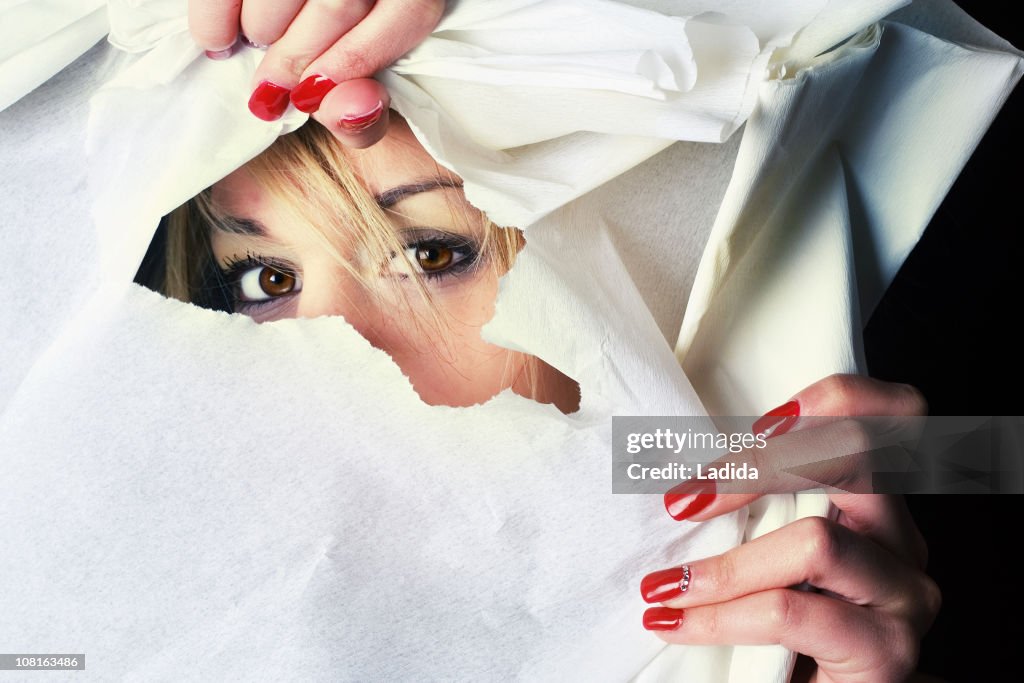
(382, 237)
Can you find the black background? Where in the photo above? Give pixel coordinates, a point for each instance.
(947, 325)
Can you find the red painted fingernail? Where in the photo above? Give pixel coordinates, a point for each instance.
(689, 498)
(308, 95)
(663, 619)
(268, 101)
(665, 584)
(777, 420)
(360, 122)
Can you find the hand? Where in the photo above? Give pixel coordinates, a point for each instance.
(874, 602)
(321, 55)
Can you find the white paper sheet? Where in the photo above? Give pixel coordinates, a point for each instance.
(190, 495)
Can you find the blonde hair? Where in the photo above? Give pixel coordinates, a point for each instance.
(308, 172)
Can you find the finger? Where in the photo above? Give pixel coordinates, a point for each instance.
(852, 395)
(835, 454)
(834, 448)
(842, 637)
(812, 550)
(318, 26)
(356, 112)
(265, 21)
(884, 519)
(841, 396)
(214, 23)
(391, 29)
(887, 521)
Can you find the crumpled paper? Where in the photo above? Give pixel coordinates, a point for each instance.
(38, 38)
(185, 488)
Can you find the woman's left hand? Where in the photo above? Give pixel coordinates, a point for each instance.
(321, 54)
(874, 602)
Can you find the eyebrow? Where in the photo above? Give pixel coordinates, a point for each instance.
(235, 225)
(389, 198)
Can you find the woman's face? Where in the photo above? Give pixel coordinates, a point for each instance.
(280, 270)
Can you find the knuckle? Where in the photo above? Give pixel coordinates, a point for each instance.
(709, 622)
(854, 437)
(759, 460)
(288, 63)
(823, 541)
(722, 574)
(842, 390)
(782, 612)
(917, 404)
(353, 64)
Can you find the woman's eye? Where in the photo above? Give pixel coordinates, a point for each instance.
(438, 258)
(263, 283)
(434, 257)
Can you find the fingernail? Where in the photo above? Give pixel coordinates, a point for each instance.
(663, 619)
(250, 43)
(308, 95)
(268, 101)
(687, 499)
(219, 54)
(665, 584)
(777, 420)
(360, 122)
(222, 54)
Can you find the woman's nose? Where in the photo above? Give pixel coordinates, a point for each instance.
(334, 293)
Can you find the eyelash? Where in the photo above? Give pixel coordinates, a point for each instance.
(467, 249)
(236, 267)
(415, 238)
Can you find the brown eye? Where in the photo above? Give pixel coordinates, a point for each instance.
(263, 283)
(275, 283)
(434, 257)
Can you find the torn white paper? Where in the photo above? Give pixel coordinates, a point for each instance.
(191, 495)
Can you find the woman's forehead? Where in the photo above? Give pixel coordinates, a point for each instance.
(396, 160)
(240, 194)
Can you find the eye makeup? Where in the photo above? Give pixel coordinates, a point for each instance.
(436, 254)
(258, 284)
(257, 281)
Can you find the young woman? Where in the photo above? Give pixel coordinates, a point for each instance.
(384, 238)
(327, 223)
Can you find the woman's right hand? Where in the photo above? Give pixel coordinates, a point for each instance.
(874, 602)
(321, 54)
